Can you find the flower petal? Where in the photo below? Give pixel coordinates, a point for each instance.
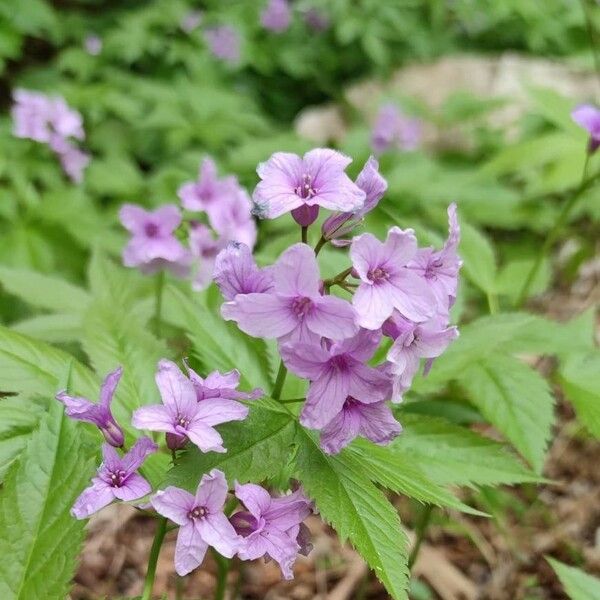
(137, 455)
(109, 385)
(174, 503)
(134, 488)
(218, 532)
(212, 491)
(366, 253)
(325, 399)
(333, 318)
(153, 418)
(254, 497)
(296, 272)
(373, 304)
(204, 436)
(305, 360)
(176, 390)
(92, 500)
(190, 549)
(213, 411)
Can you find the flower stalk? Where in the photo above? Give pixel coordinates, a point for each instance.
(159, 536)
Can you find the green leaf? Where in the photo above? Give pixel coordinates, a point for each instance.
(578, 584)
(257, 448)
(516, 400)
(580, 380)
(56, 328)
(36, 530)
(399, 474)
(478, 256)
(453, 455)
(44, 291)
(358, 511)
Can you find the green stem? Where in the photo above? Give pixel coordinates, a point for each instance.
(492, 303)
(179, 586)
(319, 245)
(553, 234)
(292, 400)
(279, 381)
(304, 235)
(420, 529)
(222, 570)
(159, 536)
(592, 35)
(160, 284)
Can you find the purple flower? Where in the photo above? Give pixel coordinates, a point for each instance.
(386, 283)
(413, 341)
(588, 117)
(336, 371)
(276, 16)
(182, 416)
(271, 526)
(316, 20)
(294, 309)
(236, 272)
(201, 520)
(373, 421)
(374, 186)
(439, 268)
(224, 43)
(223, 385)
(81, 409)
(72, 159)
(232, 218)
(204, 249)
(153, 246)
(116, 478)
(394, 129)
(301, 185)
(191, 21)
(93, 44)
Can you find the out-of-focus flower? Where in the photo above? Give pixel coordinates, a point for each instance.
(276, 16)
(72, 159)
(93, 44)
(393, 129)
(182, 416)
(153, 246)
(190, 21)
(117, 478)
(294, 309)
(316, 19)
(588, 117)
(224, 42)
(232, 218)
(81, 409)
(202, 522)
(236, 272)
(271, 526)
(336, 371)
(386, 282)
(204, 249)
(302, 184)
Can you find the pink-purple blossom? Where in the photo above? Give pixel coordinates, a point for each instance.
(236, 272)
(204, 248)
(153, 245)
(202, 522)
(336, 370)
(224, 42)
(81, 409)
(182, 416)
(303, 184)
(386, 282)
(271, 526)
(588, 117)
(276, 16)
(117, 478)
(224, 386)
(72, 160)
(294, 309)
(232, 219)
(393, 129)
(93, 44)
(190, 21)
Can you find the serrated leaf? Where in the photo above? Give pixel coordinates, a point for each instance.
(44, 291)
(453, 455)
(257, 448)
(578, 584)
(358, 511)
(580, 380)
(479, 262)
(516, 400)
(36, 530)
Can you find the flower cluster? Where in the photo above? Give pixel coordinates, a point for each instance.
(154, 246)
(49, 120)
(394, 130)
(399, 291)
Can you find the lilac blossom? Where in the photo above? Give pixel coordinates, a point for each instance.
(204, 249)
(276, 16)
(439, 268)
(374, 421)
(191, 21)
(153, 245)
(294, 309)
(588, 117)
(224, 43)
(374, 186)
(93, 44)
(202, 522)
(303, 184)
(412, 342)
(81, 409)
(386, 282)
(117, 478)
(181, 414)
(271, 526)
(72, 159)
(223, 385)
(336, 371)
(393, 129)
(236, 272)
(232, 218)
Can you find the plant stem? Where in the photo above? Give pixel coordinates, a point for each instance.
(159, 536)
(222, 570)
(160, 284)
(179, 585)
(279, 381)
(304, 235)
(492, 303)
(592, 35)
(292, 400)
(319, 245)
(420, 530)
(553, 234)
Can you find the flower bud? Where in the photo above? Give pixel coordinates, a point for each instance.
(306, 215)
(113, 434)
(175, 441)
